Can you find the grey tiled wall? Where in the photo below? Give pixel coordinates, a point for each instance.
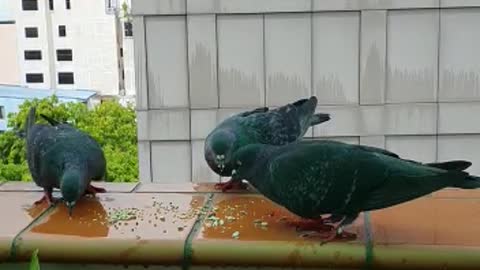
(399, 74)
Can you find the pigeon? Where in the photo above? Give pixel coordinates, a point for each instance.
(278, 126)
(314, 178)
(61, 156)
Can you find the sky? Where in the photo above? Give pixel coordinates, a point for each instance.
(4, 11)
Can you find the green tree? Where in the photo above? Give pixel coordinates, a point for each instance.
(111, 124)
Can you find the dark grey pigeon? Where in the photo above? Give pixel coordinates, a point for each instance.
(279, 126)
(61, 156)
(313, 178)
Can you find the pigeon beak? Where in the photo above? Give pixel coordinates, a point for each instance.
(221, 162)
(70, 206)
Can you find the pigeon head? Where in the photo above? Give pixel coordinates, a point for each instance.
(222, 145)
(71, 188)
(244, 161)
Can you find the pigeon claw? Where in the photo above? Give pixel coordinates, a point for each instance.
(94, 190)
(320, 229)
(317, 225)
(330, 236)
(230, 185)
(47, 197)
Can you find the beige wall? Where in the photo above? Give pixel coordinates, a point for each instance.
(401, 75)
(9, 69)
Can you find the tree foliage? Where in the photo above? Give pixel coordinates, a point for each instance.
(111, 124)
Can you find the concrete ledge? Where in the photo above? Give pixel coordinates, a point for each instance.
(167, 225)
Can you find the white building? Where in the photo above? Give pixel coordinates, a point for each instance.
(9, 69)
(9, 66)
(68, 44)
(127, 53)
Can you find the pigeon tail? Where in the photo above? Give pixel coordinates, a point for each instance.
(319, 118)
(50, 120)
(301, 102)
(30, 119)
(306, 105)
(306, 108)
(470, 182)
(454, 165)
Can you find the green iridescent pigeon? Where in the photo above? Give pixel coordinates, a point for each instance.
(279, 126)
(61, 156)
(313, 178)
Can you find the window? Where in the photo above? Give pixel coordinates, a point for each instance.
(128, 29)
(121, 52)
(31, 32)
(64, 55)
(62, 31)
(65, 78)
(2, 112)
(67, 4)
(34, 77)
(110, 6)
(33, 55)
(50, 4)
(29, 5)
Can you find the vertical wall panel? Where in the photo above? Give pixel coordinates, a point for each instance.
(203, 122)
(202, 58)
(459, 56)
(464, 147)
(247, 6)
(171, 162)
(458, 117)
(335, 68)
(411, 118)
(240, 57)
(287, 57)
(373, 54)
(140, 64)
(167, 61)
(144, 164)
(333, 5)
(412, 56)
(420, 148)
(165, 125)
(459, 3)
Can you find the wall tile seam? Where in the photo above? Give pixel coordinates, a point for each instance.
(302, 11)
(445, 7)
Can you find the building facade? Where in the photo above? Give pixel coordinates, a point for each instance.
(396, 74)
(66, 44)
(9, 67)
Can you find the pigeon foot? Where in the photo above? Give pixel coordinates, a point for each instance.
(47, 197)
(317, 225)
(322, 229)
(326, 237)
(94, 190)
(231, 185)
